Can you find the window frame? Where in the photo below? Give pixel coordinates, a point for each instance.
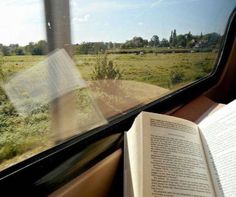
(32, 169)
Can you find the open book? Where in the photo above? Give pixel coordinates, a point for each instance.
(168, 156)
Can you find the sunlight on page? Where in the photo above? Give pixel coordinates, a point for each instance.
(218, 134)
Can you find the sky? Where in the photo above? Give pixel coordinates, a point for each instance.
(115, 20)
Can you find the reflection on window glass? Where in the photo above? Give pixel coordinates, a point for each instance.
(126, 53)
(23, 45)
(33, 82)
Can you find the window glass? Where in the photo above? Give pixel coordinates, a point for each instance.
(133, 52)
(23, 44)
(126, 54)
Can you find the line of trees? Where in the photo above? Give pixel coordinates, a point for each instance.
(208, 41)
(38, 48)
(95, 47)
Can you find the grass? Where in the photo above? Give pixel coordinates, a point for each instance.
(22, 137)
(153, 50)
(154, 69)
(14, 64)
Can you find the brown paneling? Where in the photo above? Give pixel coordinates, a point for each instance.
(197, 109)
(226, 86)
(96, 181)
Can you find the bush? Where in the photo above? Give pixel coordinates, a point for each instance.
(176, 76)
(8, 109)
(105, 69)
(106, 76)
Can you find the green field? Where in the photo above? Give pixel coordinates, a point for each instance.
(154, 69)
(29, 135)
(148, 68)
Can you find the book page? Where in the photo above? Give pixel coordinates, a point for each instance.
(133, 160)
(219, 138)
(174, 160)
(128, 184)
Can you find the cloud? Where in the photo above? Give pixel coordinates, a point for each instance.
(170, 2)
(82, 19)
(19, 3)
(102, 5)
(156, 3)
(140, 24)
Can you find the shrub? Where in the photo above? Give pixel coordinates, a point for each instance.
(176, 76)
(8, 109)
(105, 69)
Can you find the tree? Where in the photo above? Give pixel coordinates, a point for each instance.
(128, 44)
(154, 42)
(83, 48)
(91, 47)
(189, 36)
(212, 39)
(29, 48)
(39, 48)
(19, 51)
(99, 47)
(164, 43)
(174, 38)
(171, 38)
(139, 42)
(13, 47)
(181, 41)
(110, 45)
(6, 51)
(136, 42)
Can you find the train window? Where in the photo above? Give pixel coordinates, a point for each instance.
(119, 56)
(134, 52)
